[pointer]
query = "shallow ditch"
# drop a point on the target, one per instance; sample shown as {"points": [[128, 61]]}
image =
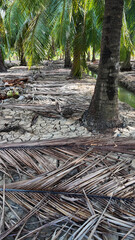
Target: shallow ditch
{"points": [[124, 95]]}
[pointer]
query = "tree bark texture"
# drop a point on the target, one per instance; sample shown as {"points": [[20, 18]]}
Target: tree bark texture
{"points": [[103, 109], [67, 55], [76, 67], [22, 59], [93, 55], [2, 66], [21, 54]]}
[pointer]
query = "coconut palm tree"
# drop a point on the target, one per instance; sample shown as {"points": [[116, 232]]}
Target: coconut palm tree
{"points": [[63, 30], [126, 46], [94, 29], [103, 110], [87, 32], [127, 36], [16, 23], [20, 15], [78, 37], [95, 20]]}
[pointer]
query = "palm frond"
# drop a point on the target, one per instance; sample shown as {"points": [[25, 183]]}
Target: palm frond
{"points": [[31, 7], [93, 30], [38, 34], [63, 28], [78, 191], [14, 22], [129, 11], [36, 37], [125, 36], [98, 7]]}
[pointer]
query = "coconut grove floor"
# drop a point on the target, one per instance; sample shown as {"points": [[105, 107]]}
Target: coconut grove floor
{"points": [[67, 182]]}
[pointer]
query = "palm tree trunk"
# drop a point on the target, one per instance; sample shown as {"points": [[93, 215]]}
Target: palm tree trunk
{"points": [[21, 54], [53, 47], [103, 109], [93, 54], [22, 59], [2, 66], [88, 56], [126, 65], [67, 63], [84, 64], [76, 67]]}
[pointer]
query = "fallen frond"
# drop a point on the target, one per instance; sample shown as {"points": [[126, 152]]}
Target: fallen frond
{"points": [[90, 194]]}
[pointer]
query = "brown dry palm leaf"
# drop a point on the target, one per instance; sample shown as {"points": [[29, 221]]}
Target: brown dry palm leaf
{"points": [[93, 189]]}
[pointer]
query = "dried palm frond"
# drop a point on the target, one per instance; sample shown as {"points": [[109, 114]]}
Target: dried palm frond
{"points": [[92, 191]]}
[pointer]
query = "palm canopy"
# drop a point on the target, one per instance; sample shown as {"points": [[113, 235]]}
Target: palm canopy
{"points": [[43, 18], [35, 21]]}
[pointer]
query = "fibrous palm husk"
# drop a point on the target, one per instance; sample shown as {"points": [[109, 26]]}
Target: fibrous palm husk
{"points": [[89, 196]]}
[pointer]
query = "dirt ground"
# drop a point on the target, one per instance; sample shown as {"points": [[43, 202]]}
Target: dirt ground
{"points": [[49, 104]]}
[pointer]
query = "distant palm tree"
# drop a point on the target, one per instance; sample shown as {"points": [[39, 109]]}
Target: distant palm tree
{"points": [[87, 31], [63, 30], [127, 36], [16, 23], [67, 63], [94, 22]]}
